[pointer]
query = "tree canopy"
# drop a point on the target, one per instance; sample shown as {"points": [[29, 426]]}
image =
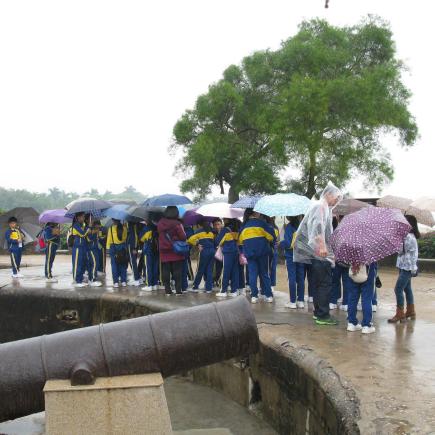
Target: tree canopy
{"points": [[320, 104]]}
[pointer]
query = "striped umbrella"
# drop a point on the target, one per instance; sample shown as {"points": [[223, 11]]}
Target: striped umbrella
{"points": [[94, 207], [247, 202]]}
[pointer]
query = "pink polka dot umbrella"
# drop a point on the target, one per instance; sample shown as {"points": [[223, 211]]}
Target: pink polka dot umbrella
{"points": [[369, 235]]}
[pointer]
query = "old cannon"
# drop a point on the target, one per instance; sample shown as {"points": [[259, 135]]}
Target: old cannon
{"points": [[169, 343]]}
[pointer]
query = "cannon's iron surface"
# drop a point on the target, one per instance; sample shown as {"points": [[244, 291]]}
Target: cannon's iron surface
{"points": [[169, 343]]}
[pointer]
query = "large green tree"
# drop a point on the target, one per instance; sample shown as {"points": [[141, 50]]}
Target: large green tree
{"points": [[321, 103]]}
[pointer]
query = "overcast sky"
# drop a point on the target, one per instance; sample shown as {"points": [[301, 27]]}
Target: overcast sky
{"points": [[90, 90]]}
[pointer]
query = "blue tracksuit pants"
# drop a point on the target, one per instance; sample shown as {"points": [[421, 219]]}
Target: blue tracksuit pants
{"points": [[92, 263], [102, 260], [15, 254], [205, 269], [273, 263], [365, 291], [50, 254], [340, 280], [119, 271], [230, 271], [132, 258], [296, 279], [78, 262], [259, 268], [151, 267]]}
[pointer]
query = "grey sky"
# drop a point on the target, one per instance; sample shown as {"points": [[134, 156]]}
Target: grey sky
{"points": [[90, 90]]}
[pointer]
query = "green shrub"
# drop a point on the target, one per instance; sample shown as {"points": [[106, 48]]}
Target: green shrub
{"points": [[426, 246]]}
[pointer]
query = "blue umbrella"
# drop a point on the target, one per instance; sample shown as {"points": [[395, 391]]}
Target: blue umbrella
{"points": [[283, 204], [118, 211], [166, 200], [247, 202]]}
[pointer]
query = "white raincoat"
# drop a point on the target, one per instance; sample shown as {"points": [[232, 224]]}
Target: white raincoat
{"points": [[315, 230]]}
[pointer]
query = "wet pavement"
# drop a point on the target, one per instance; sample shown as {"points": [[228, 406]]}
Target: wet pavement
{"points": [[392, 370]]}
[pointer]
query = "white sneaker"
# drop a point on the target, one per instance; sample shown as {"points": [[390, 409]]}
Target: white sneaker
{"points": [[221, 294], [15, 275], [343, 307], [233, 294], [20, 275], [82, 284], [51, 280], [193, 290], [368, 330], [115, 285], [352, 328], [332, 306], [291, 305], [123, 284], [135, 283], [359, 307], [374, 308], [269, 300], [310, 299], [155, 287], [254, 300], [209, 292], [147, 289], [300, 304], [95, 284]]}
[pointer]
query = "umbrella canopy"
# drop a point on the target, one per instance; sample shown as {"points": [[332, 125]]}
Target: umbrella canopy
{"points": [[283, 204], [94, 207], [348, 206], [247, 202], [27, 218], [83, 198], [369, 235], [220, 209], [57, 216], [397, 202], [166, 200], [191, 217], [118, 211], [141, 212], [424, 211]]}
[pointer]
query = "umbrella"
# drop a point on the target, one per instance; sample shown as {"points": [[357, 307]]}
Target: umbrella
{"points": [[167, 200], [75, 201], [191, 217], [424, 211], [141, 212], [57, 216], [391, 201], [27, 218], [369, 235], [348, 206], [220, 209], [283, 204], [247, 202], [118, 211], [88, 205], [181, 211]]}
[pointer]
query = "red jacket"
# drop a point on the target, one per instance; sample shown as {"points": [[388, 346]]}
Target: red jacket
{"points": [[174, 228]]}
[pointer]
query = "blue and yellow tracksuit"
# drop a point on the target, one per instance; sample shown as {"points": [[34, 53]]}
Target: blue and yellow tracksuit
{"points": [[273, 258], [150, 257], [14, 241], [242, 279], [93, 253], [227, 239], [256, 238], [187, 265], [133, 246], [206, 257], [114, 245], [52, 243], [79, 250], [102, 240], [295, 271]]}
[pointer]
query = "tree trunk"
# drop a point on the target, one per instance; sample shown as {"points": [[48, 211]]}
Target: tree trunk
{"points": [[233, 195], [311, 187]]}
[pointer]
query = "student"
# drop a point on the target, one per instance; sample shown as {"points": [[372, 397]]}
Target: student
{"points": [[102, 252], [117, 247], [14, 240], [256, 238], [187, 266], [407, 265], [92, 254], [273, 258], [171, 230], [52, 242], [133, 246], [79, 232], [218, 265], [295, 271], [364, 290], [204, 239], [227, 240], [148, 236]]}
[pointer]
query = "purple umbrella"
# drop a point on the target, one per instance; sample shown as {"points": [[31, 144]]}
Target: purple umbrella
{"points": [[191, 217], [369, 235], [56, 216]]}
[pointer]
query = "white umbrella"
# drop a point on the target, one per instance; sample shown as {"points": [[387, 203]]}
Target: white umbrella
{"points": [[391, 201], [220, 209], [424, 211]]}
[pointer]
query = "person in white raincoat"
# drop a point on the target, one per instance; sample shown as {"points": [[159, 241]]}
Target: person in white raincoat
{"points": [[312, 247]]}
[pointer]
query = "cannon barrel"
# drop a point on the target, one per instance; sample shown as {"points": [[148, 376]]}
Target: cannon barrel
{"points": [[170, 343]]}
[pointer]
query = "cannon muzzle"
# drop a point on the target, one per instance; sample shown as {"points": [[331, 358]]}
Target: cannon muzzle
{"points": [[169, 343]]}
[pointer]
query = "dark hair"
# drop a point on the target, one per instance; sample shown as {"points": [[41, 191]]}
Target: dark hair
{"points": [[334, 222], [217, 220], [247, 214], [205, 225], [293, 221], [413, 222], [12, 219], [171, 212]]}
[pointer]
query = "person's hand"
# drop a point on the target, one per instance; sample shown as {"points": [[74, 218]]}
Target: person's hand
{"points": [[323, 252], [200, 248]]}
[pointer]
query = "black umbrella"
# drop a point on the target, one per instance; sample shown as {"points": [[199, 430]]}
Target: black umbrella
{"points": [[88, 205], [28, 221]]}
